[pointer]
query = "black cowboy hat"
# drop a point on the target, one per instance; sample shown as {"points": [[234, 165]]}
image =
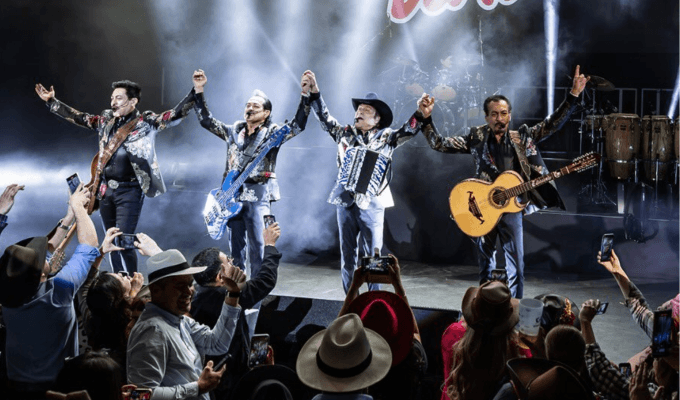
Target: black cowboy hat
{"points": [[380, 106], [21, 266]]}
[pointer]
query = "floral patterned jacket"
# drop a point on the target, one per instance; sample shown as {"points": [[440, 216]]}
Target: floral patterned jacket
{"points": [[383, 141], [524, 140], [261, 184], [140, 143]]}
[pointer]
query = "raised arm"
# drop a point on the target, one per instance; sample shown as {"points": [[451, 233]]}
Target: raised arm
{"points": [[420, 121], [557, 119], [260, 285], [171, 117], [205, 118], [7, 201], [328, 123], [68, 113]]}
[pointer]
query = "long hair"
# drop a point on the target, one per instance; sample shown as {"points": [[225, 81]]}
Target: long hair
{"points": [[479, 364], [110, 314]]}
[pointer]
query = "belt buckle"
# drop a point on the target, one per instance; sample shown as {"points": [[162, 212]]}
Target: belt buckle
{"points": [[113, 184]]}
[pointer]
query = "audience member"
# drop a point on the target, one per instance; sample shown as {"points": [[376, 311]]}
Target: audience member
{"points": [[270, 382], [7, 201], [96, 372], [540, 379], [605, 376], [477, 367], [210, 293], [557, 310], [390, 315], [640, 310], [343, 360], [38, 308], [166, 346]]}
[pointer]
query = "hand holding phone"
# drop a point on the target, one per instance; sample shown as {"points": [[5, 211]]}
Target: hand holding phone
{"points": [[606, 246], [259, 348], [625, 369], [268, 220], [73, 182]]}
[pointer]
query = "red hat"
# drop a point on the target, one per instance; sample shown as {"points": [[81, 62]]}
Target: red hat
{"points": [[390, 316]]}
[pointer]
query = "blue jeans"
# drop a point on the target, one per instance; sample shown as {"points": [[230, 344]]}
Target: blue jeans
{"points": [[358, 226], [509, 230], [249, 223], [121, 208]]}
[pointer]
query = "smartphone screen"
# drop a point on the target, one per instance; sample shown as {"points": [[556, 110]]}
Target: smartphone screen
{"points": [[258, 350], [268, 220], [126, 241], [606, 247], [602, 308], [661, 335], [625, 369], [73, 181]]}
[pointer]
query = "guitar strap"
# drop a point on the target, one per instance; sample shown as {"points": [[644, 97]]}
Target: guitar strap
{"points": [[107, 151]]}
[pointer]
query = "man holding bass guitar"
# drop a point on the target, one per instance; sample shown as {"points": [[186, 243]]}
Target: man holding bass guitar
{"points": [[252, 147], [126, 168], [496, 149]]}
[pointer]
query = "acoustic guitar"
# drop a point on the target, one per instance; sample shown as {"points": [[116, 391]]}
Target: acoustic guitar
{"points": [[477, 205]]}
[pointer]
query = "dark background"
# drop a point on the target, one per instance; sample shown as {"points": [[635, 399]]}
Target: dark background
{"points": [[81, 47]]}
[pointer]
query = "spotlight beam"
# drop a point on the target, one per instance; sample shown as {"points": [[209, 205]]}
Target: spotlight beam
{"points": [[551, 25]]}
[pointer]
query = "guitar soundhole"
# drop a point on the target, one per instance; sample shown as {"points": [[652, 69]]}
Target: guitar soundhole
{"points": [[499, 198]]}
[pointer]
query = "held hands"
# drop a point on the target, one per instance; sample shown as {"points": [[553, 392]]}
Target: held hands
{"points": [[308, 83], [200, 80], [44, 93], [107, 244], [580, 81], [271, 234], [210, 379], [425, 105], [146, 246], [7, 197]]}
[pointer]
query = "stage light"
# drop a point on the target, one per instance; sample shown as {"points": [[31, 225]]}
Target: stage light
{"points": [[674, 101], [551, 26]]}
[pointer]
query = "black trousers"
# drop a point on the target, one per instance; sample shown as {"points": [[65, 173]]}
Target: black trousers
{"points": [[121, 208]]}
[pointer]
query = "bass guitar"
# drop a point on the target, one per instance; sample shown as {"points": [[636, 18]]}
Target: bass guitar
{"points": [[477, 205], [222, 203]]}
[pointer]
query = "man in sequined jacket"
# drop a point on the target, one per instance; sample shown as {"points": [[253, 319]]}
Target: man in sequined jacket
{"points": [[132, 171], [495, 149], [244, 139], [361, 217]]}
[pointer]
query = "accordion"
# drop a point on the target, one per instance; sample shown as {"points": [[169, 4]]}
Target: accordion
{"points": [[363, 171]]}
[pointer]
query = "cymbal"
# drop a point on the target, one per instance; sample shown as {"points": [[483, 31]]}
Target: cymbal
{"points": [[600, 83], [404, 61]]}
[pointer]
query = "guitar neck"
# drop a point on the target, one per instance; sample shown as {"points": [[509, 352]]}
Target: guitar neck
{"points": [[532, 184], [273, 141]]}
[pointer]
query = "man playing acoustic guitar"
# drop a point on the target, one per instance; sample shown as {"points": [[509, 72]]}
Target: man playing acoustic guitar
{"points": [[495, 149], [126, 167], [245, 141]]}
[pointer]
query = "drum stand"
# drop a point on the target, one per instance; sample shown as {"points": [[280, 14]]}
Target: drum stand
{"points": [[596, 191]]}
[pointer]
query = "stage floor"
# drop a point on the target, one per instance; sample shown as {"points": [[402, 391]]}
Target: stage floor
{"points": [[443, 287]]}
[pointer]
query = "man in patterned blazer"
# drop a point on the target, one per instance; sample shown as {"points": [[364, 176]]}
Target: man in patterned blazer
{"points": [[244, 140], [360, 216], [495, 149], [128, 137]]}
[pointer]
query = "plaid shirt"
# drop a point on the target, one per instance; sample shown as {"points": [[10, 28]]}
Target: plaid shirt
{"points": [[639, 309], [606, 377]]}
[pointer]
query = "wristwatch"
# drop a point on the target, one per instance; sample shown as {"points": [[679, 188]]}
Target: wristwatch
{"points": [[234, 295]]}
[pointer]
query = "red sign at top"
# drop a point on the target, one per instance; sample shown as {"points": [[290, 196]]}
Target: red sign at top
{"points": [[403, 10]]}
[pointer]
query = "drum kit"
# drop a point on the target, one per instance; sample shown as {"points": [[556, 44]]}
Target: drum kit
{"points": [[640, 151], [456, 85]]}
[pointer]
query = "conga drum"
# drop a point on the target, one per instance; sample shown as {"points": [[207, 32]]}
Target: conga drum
{"points": [[622, 144], [657, 145]]}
